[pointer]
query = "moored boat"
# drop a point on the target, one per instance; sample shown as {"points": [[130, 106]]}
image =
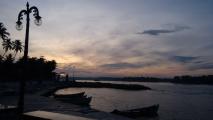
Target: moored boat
{"points": [[78, 98], [76, 95], [150, 111], [78, 101]]}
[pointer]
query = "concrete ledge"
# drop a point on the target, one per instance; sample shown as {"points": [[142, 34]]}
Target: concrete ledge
{"points": [[44, 115]]}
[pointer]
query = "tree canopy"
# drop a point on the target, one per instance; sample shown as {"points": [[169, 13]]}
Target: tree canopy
{"points": [[10, 69], [37, 69]]}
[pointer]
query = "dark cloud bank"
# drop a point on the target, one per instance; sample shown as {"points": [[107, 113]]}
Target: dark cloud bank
{"points": [[193, 63], [156, 32], [183, 59], [190, 62], [126, 65]]}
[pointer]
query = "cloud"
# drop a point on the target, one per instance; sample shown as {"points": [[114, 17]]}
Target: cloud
{"points": [[193, 63], [201, 66], [109, 51], [156, 32], [126, 65], [183, 59], [120, 65]]}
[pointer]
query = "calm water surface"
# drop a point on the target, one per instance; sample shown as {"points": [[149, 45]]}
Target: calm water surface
{"points": [[177, 102]]}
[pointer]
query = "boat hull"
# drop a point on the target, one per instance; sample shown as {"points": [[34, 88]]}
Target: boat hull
{"points": [[150, 111], [78, 98]]}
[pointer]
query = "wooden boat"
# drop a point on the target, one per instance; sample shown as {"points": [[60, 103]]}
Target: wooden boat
{"points": [[76, 95], [150, 111], [84, 101], [78, 98]]}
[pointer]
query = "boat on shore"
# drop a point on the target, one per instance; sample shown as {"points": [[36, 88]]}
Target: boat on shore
{"points": [[78, 98], [150, 111], [84, 101], [76, 95]]}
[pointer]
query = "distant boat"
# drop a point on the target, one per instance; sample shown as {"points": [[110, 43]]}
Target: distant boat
{"points": [[150, 111]]}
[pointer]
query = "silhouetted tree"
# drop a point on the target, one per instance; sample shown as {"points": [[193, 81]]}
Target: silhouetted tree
{"points": [[3, 32], [7, 45], [1, 59], [38, 68], [9, 59], [17, 46]]}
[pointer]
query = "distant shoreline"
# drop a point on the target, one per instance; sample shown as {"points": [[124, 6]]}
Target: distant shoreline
{"points": [[190, 80], [149, 82]]}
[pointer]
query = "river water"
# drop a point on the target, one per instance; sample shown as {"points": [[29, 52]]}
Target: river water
{"points": [[177, 101]]}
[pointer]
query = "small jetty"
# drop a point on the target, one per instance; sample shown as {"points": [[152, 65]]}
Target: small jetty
{"points": [[63, 85], [109, 85]]}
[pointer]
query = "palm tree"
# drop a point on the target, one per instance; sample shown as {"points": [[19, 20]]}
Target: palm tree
{"points": [[7, 45], [17, 46], [3, 32], [9, 59]]}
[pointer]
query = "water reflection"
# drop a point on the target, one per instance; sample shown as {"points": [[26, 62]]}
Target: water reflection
{"points": [[177, 102]]}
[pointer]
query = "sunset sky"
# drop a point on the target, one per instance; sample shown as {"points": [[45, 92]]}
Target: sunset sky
{"points": [[160, 38]]}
